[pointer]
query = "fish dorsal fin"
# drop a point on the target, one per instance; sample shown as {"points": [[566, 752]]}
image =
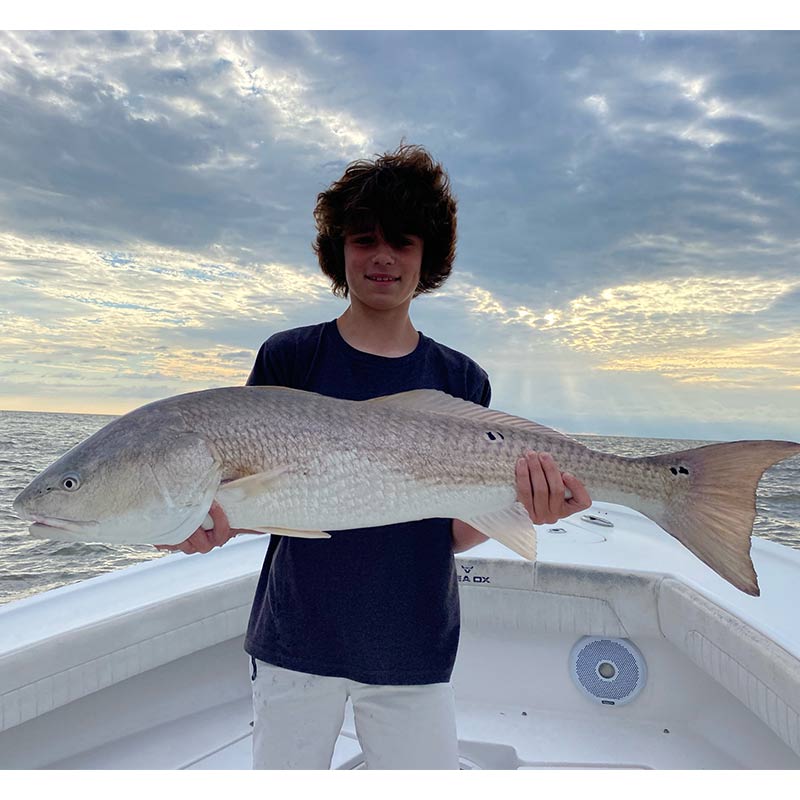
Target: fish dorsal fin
{"points": [[435, 402]]}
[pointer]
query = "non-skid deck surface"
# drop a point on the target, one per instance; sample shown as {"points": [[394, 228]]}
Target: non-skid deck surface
{"points": [[490, 737]]}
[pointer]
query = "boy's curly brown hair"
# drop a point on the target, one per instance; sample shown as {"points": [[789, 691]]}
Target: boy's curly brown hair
{"points": [[404, 192]]}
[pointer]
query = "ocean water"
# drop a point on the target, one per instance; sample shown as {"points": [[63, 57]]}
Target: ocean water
{"points": [[30, 441]]}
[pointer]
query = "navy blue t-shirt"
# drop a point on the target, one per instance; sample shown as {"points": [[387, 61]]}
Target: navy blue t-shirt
{"points": [[375, 605]]}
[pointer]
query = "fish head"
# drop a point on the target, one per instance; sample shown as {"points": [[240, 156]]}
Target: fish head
{"points": [[128, 483]]}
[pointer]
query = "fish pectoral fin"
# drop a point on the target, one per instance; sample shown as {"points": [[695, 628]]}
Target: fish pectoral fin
{"points": [[297, 534], [250, 485], [510, 526]]}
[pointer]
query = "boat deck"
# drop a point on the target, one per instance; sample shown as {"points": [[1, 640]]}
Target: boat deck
{"points": [[145, 668], [490, 738]]}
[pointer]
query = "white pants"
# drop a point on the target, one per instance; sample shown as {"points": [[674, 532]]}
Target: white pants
{"points": [[298, 718]]}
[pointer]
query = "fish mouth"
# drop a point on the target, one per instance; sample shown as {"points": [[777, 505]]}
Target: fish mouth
{"points": [[42, 524]]}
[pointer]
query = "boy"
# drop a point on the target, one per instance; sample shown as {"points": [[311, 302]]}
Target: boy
{"points": [[371, 614]]}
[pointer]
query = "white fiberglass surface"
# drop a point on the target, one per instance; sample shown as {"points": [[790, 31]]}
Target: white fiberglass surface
{"points": [[636, 543], [517, 704], [518, 690], [517, 708]]}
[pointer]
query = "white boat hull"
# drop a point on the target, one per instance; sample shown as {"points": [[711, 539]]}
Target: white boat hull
{"points": [[144, 668]]}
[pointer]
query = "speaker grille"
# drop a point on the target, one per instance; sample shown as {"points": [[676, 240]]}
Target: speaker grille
{"points": [[609, 671]]}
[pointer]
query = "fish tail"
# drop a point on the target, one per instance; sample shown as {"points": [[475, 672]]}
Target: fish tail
{"points": [[711, 502]]}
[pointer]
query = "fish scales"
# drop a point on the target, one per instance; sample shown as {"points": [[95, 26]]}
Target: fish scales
{"points": [[301, 464]]}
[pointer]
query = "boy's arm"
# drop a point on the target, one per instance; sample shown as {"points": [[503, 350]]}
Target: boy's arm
{"points": [[541, 487]]}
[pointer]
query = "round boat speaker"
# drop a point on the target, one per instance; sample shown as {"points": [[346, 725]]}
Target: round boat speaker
{"points": [[609, 671]]}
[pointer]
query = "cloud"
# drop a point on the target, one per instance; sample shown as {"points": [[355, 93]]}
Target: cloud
{"points": [[627, 202], [106, 314], [565, 145], [730, 332], [180, 139]]}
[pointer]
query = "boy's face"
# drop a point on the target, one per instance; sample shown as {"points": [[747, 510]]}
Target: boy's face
{"points": [[381, 275]]}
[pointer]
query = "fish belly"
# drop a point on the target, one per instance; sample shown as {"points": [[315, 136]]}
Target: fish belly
{"points": [[350, 490]]}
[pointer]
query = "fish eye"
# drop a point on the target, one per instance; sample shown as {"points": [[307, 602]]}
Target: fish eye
{"points": [[70, 482]]}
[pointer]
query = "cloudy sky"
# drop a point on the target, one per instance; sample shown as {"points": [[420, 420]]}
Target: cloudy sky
{"points": [[629, 248]]}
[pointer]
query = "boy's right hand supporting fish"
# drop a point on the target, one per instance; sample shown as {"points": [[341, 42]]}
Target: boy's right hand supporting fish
{"points": [[204, 541]]}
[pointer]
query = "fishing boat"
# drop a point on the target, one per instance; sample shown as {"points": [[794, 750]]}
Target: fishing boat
{"points": [[616, 649]]}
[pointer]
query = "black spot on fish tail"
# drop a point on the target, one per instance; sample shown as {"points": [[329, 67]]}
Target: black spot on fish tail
{"points": [[712, 508]]}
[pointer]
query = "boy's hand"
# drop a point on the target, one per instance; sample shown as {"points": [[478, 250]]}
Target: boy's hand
{"points": [[541, 487], [203, 541]]}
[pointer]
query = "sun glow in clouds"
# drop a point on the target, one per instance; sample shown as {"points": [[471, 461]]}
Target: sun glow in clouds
{"points": [[685, 329], [85, 316], [289, 94]]}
